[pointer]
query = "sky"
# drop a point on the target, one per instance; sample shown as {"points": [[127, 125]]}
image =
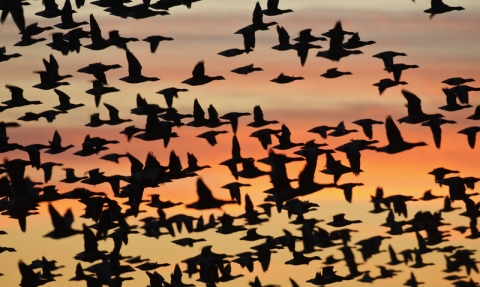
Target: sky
{"points": [[443, 47]]}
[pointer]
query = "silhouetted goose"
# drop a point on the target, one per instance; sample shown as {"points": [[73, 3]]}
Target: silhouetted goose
{"points": [[306, 36], [27, 40], [46, 81], [257, 20], [354, 42], [210, 136], [412, 282], [245, 70], [144, 108], [334, 73], [17, 98], [336, 50], [113, 115], [142, 11], [386, 83], [335, 168], [29, 116], [366, 277], [366, 125], [55, 145], [115, 39], [170, 93], [471, 133], [415, 113], [61, 224], [258, 120], [300, 259], [92, 68], [135, 70], [98, 42], [250, 170], [419, 260], [283, 39], [70, 176], [438, 7], [264, 136], [283, 79], [99, 89], [302, 49], [47, 168], [67, 19], [5, 57], [434, 124], [427, 195], [284, 139], [206, 199], [65, 104], [347, 189], [456, 81], [462, 92], [396, 143], [440, 173], [233, 118], [272, 9], [476, 114], [51, 9], [232, 52], [340, 130], [95, 121], [155, 41], [213, 119], [452, 104], [14, 8], [91, 252], [321, 130], [387, 57], [187, 241], [198, 76], [340, 221]]}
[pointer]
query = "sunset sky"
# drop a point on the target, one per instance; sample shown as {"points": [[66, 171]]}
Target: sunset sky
{"points": [[443, 47]]}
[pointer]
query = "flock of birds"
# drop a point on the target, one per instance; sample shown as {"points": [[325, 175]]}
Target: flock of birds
{"points": [[20, 197]]}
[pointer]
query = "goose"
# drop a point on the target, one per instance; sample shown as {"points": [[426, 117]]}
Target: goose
{"points": [[98, 42], [65, 104], [144, 108], [206, 199], [170, 93], [283, 39], [50, 11], [354, 42], [245, 70], [321, 130], [55, 145], [233, 118], [92, 68], [67, 19], [471, 133], [155, 41], [59, 44], [334, 73], [347, 189], [115, 39], [98, 90], [306, 36], [5, 57], [284, 79], [386, 83], [232, 52], [14, 8], [476, 114], [257, 20], [113, 115], [264, 136], [70, 176], [340, 130], [17, 99], [47, 82], [387, 57], [135, 70], [61, 224], [27, 40], [272, 9], [462, 92], [198, 76], [452, 104], [300, 259], [336, 50], [457, 81], [210, 136], [366, 125], [258, 119], [438, 7], [95, 121], [396, 143], [284, 139], [434, 124]]}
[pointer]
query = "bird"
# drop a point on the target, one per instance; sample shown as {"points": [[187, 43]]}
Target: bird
{"points": [[258, 119], [438, 7], [396, 143], [471, 133], [155, 41], [198, 76], [114, 119], [170, 93], [340, 130], [210, 136], [284, 79], [206, 199], [64, 100], [98, 42], [387, 57], [17, 98], [452, 104], [366, 125], [135, 70], [245, 70], [415, 113], [272, 9], [354, 42], [62, 225], [55, 145], [456, 81], [67, 19], [434, 124], [476, 114], [334, 73], [336, 50], [386, 83], [5, 57], [340, 221]]}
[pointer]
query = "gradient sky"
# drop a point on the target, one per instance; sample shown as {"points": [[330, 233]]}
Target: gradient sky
{"points": [[443, 47]]}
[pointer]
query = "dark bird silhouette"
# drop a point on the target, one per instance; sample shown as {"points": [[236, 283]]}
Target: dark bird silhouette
{"points": [[210, 136], [336, 50], [334, 73], [113, 115], [386, 83], [452, 104], [347, 190], [170, 93], [354, 42], [387, 58], [340, 221], [198, 76], [396, 143], [272, 9], [415, 113], [471, 133], [65, 104], [438, 7], [258, 119], [257, 20], [62, 225], [67, 19], [135, 70], [340, 130], [366, 125], [476, 114], [155, 41], [434, 124], [98, 42], [456, 81], [17, 99], [5, 57], [206, 199], [245, 70], [283, 79], [284, 139], [306, 36]]}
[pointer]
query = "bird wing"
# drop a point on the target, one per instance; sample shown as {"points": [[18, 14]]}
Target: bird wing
{"points": [[95, 32], [272, 4], [199, 70], [257, 18], [393, 133], [414, 105], [204, 193], [134, 66], [62, 97]]}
